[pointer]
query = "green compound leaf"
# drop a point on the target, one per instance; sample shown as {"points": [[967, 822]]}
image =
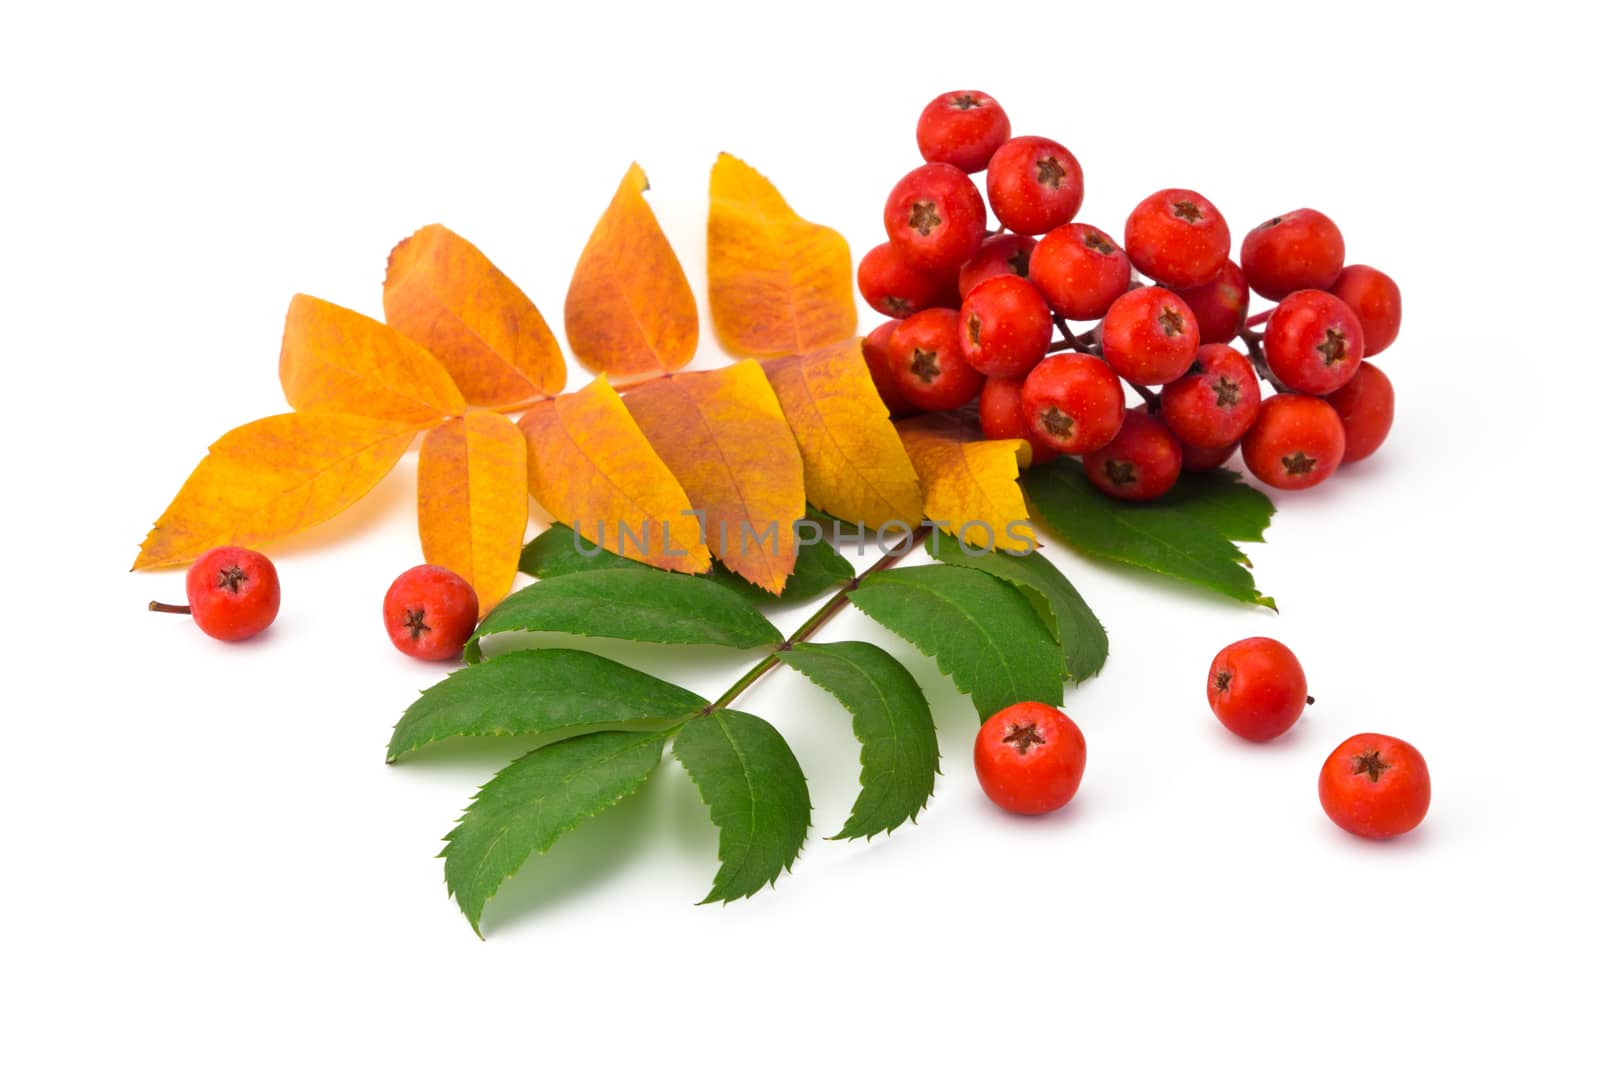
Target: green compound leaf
{"points": [[757, 794], [528, 806], [891, 719], [641, 604], [1221, 500], [984, 634], [540, 690], [1179, 540], [1082, 639]]}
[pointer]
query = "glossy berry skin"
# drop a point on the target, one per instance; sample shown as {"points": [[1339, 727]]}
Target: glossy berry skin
{"points": [[1074, 402], [430, 612], [233, 593], [1080, 270], [1257, 688], [1029, 758], [891, 286], [1296, 442], [1300, 250], [1004, 253], [875, 353], [1141, 463], [1366, 408], [1220, 306], [1215, 403], [1005, 327], [1149, 336], [1314, 342], [1035, 185], [1001, 416], [1375, 299], [1197, 460], [935, 218], [962, 128], [1177, 237], [926, 362], [1375, 786]]}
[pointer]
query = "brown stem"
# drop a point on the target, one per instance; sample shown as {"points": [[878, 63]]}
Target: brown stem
{"points": [[1151, 397], [170, 609], [1070, 339]]}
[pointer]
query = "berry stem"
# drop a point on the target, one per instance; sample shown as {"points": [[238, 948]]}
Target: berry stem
{"points": [[1070, 339], [1151, 397], [1259, 317], [170, 609]]}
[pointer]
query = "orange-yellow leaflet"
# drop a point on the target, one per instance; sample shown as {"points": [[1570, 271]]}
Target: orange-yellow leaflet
{"points": [[472, 501], [969, 485]]}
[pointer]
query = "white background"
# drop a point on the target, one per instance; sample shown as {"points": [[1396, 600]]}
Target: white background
{"points": [[207, 860]]}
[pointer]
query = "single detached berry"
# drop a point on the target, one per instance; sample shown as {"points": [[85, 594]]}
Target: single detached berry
{"points": [[1257, 688], [1220, 306], [1296, 442], [1005, 327], [1035, 185], [892, 286], [1300, 250], [233, 593], [875, 353], [1029, 758], [1141, 463], [430, 612], [1178, 238], [1074, 402], [1375, 299], [1314, 342], [1366, 408], [925, 359], [935, 218], [1080, 271], [1375, 786], [962, 128], [1149, 336], [1004, 253], [1216, 402], [1001, 416]]}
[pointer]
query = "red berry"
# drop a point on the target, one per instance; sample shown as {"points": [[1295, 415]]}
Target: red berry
{"points": [[1080, 271], [1257, 688], [1149, 336], [935, 217], [1001, 416], [1314, 342], [1300, 250], [1296, 442], [233, 593], [1005, 327], [925, 359], [1074, 402], [1220, 305], [1197, 460], [1375, 786], [430, 612], [1215, 403], [1029, 758], [962, 129], [1177, 237], [892, 286], [1141, 463], [1034, 185], [1375, 298], [875, 353], [1004, 253], [1366, 408]]}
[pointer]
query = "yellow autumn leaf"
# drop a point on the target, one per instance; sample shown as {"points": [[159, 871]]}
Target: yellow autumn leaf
{"points": [[472, 501], [969, 484]]}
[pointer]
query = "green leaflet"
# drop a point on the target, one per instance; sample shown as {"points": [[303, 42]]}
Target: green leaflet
{"points": [[757, 794], [984, 634], [890, 716], [533, 691], [1221, 500], [1082, 639], [526, 807]]}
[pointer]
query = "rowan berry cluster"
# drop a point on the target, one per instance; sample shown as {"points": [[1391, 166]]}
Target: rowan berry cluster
{"points": [[987, 316]]}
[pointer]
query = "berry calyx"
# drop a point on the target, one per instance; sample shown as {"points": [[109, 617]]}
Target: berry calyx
{"points": [[1029, 758], [1005, 327], [1221, 305], [892, 286], [1141, 463], [1375, 299], [1001, 416], [1257, 688], [1035, 185], [233, 593], [1149, 336], [430, 612], [1004, 253], [1366, 408], [1296, 442], [1074, 402], [962, 128], [1177, 237], [1080, 271], [1375, 786], [1216, 402], [926, 362], [875, 354], [1314, 342], [935, 217], [1301, 249]]}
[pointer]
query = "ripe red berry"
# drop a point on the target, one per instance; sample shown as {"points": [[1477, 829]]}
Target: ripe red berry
{"points": [[1149, 336], [1141, 463], [1001, 416], [925, 359], [1177, 237], [233, 593], [1074, 402], [1215, 403], [1220, 305], [1296, 442], [875, 353], [1197, 460], [430, 612], [1366, 408], [1005, 327], [1314, 342], [935, 217], [891, 286], [1080, 271], [962, 128], [1257, 688], [1375, 786], [1035, 185], [1029, 758], [1300, 250], [1004, 253], [1375, 298]]}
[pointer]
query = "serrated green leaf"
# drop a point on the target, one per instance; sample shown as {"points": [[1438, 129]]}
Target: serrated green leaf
{"points": [[984, 634], [641, 604], [539, 690], [527, 806], [1222, 500], [757, 795], [1079, 633], [891, 719], [1166, 540]]}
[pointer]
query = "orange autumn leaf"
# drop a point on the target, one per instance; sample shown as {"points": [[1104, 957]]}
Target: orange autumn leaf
{"points": [[630, 312], [273, 477], [779, 285], [472, 501], [969, 484], [855, 466], [591, 467], [334, 359], [445, 295], [723, 435]]}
